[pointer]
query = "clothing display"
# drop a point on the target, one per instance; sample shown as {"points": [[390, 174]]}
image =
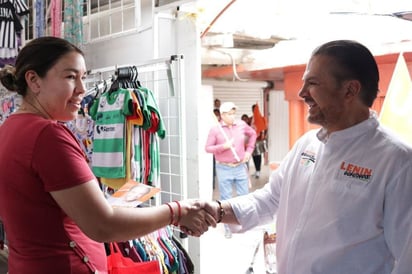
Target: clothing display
{"points": [[40, 18], [161, 246], [306, 243], [10, 27], [109, 142], [117, 263], [56, 17], [83, 129], [9, 103], [73, 24], [128, 124]]}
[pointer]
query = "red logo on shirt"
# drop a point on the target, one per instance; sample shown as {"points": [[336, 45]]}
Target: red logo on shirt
{"points": [[355, 171]]}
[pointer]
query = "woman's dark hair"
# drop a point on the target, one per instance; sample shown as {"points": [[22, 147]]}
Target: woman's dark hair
{"points": [[246, 118], [38, 55], [353, 61]]}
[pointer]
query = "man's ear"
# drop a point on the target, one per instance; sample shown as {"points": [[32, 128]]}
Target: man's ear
{"points": [[32, 80], [353, 88]]}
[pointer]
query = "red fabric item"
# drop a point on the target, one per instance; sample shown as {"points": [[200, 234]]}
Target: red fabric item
{"points": [[118, 264], [154, 122], [39, 156], [259, 121], [146, 156]]}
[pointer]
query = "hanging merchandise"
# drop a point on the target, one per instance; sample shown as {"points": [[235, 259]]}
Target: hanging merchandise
{"points": [[158, 251], [40, 21], [9, 103], [83, 128], [154, 87], [109, 147], [119, 264], [138, 115], [10, 29], [73, 25], [146, 146], [127, 126], [56, 17]]}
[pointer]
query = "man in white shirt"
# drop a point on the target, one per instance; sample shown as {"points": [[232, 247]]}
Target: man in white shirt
{"points": [[343, 194]]}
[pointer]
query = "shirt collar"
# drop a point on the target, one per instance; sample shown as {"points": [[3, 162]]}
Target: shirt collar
{"points": [[226, 125], [351, 132]]}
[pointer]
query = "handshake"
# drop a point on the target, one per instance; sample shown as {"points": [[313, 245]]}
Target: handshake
{"points": [[196, 216]]}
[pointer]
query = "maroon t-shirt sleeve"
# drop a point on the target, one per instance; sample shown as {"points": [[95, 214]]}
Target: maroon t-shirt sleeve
{"points": [[59, 160]]}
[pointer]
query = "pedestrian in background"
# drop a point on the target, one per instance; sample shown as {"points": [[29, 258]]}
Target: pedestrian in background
{"points": [[217, 104], [247, 120], [259, 123], [226, 140], [216, 111]]}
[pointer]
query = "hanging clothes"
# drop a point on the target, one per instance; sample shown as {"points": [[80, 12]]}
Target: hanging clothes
{"points": [[116, 183], [146, 145], [9, 103], [109, 148], [161, 246], [40, 21], [154, 122], [83, 129], [10, 27], [127, 132], [73, 25], [56, 17]]}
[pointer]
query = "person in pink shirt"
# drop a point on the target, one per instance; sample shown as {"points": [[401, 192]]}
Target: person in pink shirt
{"points": [[231, 142]]}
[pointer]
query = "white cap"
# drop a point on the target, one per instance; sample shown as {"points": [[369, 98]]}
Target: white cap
{"points": [[227, 106]]}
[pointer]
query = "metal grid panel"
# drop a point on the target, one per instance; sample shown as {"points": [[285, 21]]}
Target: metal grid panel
{"points": [[165, 83], [101, 18], [163, 78], [107, 17]]}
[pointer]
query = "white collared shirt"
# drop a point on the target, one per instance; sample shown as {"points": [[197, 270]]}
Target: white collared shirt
{"points": [[343, 206]]}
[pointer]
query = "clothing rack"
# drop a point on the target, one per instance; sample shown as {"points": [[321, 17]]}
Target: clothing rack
{"points": [[126, 71], [148, 66], [164, 76], [100, 86]]}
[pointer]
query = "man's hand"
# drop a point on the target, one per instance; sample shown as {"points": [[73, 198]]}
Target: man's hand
{"points": [[247, 157], [228, 144], [195, 219]]}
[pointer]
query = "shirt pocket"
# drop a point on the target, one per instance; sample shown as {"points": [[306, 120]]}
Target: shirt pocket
{"points": [[350, 184]]}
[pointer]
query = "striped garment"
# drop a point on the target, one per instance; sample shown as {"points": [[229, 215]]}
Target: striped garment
{"points": [[109, 145], [10, 25]]}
